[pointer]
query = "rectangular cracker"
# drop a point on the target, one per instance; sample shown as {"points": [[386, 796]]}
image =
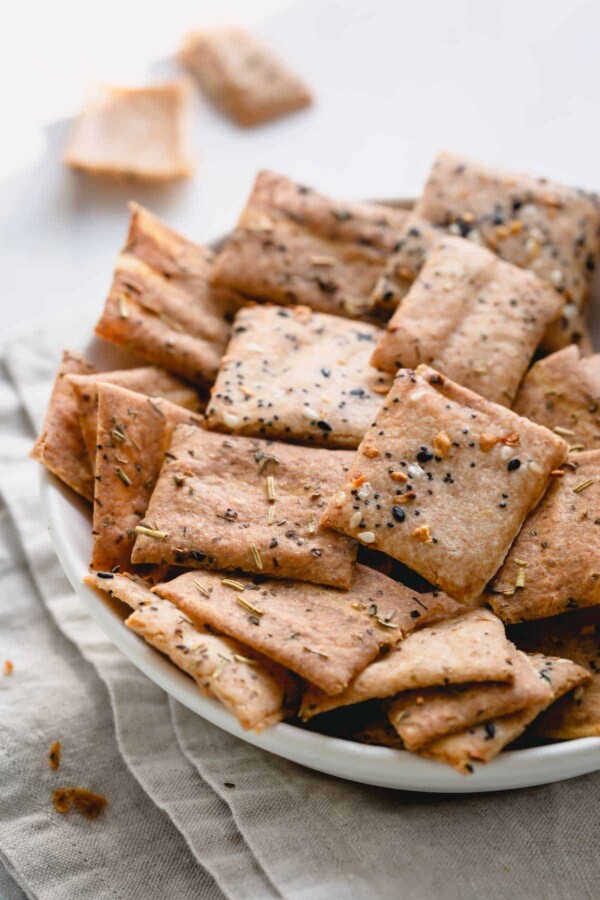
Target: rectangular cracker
{"points": [[421, 717], [134, 433], [298, 376], [527, 221], [472, 317], [225, 502], [562, 392], [554, 564], [256, 690], [484, 742], [134, 132], [416, 238], [60, 446], [294, 246], [442, 474], [161, 304], [241, 76], [469, 647], [323, 634]]}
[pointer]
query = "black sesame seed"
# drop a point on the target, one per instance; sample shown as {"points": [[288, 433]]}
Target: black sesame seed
{"points": [[424, 455], [324, 426], [398, 513], [513, 465]]}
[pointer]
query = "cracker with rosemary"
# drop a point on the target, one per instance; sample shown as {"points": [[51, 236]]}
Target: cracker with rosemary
{"points": [[243, 77], [554, 564], [294, 246], [472, 317], [299, 376], [441, 474], [325, 635], [60, 446], [562, 392], [134, 433], [484, 742], [469, 647], [226, 502], [416, 238], [421, 717], [161, 305], [256, 690], [527, 221]]}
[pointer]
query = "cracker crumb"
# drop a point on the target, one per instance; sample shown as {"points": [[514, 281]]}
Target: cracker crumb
{"points": [[422, 534], [8, 667], [54, 755], [86, 802], [441, 444], [370, 452]]}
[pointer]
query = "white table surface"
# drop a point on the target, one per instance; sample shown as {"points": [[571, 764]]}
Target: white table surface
{"points": [[513, 83]]}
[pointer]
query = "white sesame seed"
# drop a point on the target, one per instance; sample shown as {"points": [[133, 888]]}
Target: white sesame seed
{"points": [[230, 420], [309, 413], [506, 452], [367, 537], [354, 520], [415, 470], [364, 491]]}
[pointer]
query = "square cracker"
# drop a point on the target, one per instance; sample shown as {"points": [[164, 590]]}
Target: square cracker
{"points": [[161, 304], [60, 446], [298, 376], [554, 564], [323, 634], [441, 474], [134, 132], [294, 246], [530, 222], [562, 392], [471, 646], [258, 691], [473, 317], [416, 237], [234, 502], [134, 433], [148, 380], [421, 717], [241, 76], [484, 742]]}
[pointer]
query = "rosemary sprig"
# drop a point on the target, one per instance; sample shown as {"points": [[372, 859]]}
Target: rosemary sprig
{"points": [[123, 476]]}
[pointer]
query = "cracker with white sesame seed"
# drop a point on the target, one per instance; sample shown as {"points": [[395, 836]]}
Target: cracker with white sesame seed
{"points": [[294, 246], [484, 742], [226, 502], [134, 432], [562, 392], [258, 691], [472, 317], [471, 646], [554, 564], [325, 635], [454, 473], [416, 238], [299, 376], [161, 304], [529, 222]]}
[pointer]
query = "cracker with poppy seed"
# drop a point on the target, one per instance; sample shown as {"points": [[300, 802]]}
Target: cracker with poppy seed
{"points": [[562, 392], [256, 690], [484, 742], [529, 222], [468, 647], [134, 433], [293, 246], [451, 505], [60, 446], [421, 717], [296, 375], [161, 304], [472, 317], [325, 635], [225, 502], [416, 238], [553, 566]]}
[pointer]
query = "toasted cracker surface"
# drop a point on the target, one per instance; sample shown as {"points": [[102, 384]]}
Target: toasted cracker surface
{"points": [[416, 238]]}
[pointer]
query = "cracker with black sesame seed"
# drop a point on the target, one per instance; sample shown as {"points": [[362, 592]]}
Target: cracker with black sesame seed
{"points": [[472, 317], [161, 305], [455, 474], [296, 375], [60, 446], [471, 646], [530, 222], [294, 246], [227, 502], [325, 635], [484, 742], [134, 432], [416, 238], [258, 691], [553, 565], [562, 392]]}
